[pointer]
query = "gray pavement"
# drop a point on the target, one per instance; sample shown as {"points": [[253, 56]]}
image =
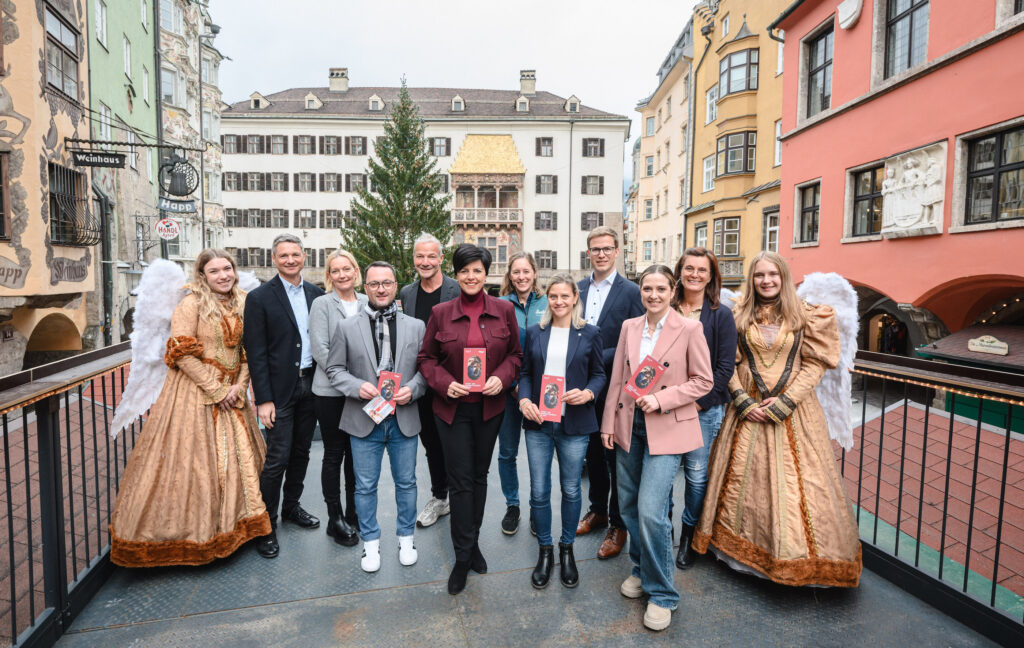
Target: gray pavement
{"points": [[315, 594]]}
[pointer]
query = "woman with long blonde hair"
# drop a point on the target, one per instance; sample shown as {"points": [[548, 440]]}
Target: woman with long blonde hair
{"points": [[561, 345], [775, 504], [190, 492]]}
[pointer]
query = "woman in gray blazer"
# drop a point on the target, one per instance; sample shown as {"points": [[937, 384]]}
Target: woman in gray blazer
{"points": [[344, 277]]}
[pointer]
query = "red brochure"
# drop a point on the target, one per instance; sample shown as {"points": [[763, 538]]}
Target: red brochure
{"points": [[388, 385], [647, 374], [474, 374], [552, 388]]}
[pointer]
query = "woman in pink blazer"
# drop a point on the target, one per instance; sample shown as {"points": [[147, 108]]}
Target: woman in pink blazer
{"points": [[653, 433]]}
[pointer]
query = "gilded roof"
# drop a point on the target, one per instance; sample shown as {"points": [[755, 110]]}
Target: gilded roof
{"points": [[487, 154]]}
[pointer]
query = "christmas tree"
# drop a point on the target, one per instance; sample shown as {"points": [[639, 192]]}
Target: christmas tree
{"points": [[406, 198]]}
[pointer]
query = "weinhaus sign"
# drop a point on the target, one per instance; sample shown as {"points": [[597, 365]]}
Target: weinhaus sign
{"points": [[98, 159]]}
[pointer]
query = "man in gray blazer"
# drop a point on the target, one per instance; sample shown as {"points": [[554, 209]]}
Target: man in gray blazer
{"points": [[380, 339], [418, 298]]}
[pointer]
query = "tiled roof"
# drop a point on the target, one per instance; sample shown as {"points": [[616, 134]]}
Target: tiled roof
{"points": [[487, 154], [954, 347], [432, 103], [758, 189], [697, 208]]}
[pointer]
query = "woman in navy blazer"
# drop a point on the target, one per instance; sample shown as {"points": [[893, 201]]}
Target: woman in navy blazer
{"points": [[697, 296], [564, 345]]}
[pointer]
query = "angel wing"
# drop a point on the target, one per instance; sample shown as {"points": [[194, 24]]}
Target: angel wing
{"points": [[159, 292], [834, 389], [728, 298], [247, 281]]}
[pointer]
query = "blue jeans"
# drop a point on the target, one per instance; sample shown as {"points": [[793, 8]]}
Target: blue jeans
{"points": [[367, 453], [508, 450], [645, 482], [695, 464], [572, 449]]}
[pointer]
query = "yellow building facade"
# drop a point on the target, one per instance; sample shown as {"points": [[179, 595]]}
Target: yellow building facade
{"points": [[736, 161], [48, 228], [660, 174]]}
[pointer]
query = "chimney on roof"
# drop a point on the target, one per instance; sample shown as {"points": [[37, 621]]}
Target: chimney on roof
{"points": [[528, 82], [338, 78]]}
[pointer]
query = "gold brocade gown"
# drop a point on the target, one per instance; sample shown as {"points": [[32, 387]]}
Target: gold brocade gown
{"points": [[775, 501], [190, 491]]}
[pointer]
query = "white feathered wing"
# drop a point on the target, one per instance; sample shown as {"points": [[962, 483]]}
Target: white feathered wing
{"points": [[834, 389], [159, 292]]}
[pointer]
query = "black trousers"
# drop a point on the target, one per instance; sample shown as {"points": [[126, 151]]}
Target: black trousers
{"points": [[468, 447], [288, 449], [604, 483], [432, 445], [337, 452]]}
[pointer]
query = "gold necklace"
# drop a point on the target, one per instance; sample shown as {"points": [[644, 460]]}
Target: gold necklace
{"points": [[778, 352]]}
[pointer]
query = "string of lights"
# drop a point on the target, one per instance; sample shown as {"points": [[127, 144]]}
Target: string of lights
{"points": [[953, 390]]}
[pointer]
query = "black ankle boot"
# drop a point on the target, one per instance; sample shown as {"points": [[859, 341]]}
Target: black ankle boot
{"points": [[339, 529], [457, 579], [686, 556], [567, 561], [545, 562], [477, 562]]}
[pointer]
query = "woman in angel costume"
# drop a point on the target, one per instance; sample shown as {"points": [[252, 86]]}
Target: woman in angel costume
{"points": [[775, 505], [190, 491]]}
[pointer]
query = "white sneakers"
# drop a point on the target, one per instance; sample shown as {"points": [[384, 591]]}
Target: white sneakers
{"points": [[631, 587], [406, 551], [371, 556], [407, 554], [657, 617], [434, 509]]}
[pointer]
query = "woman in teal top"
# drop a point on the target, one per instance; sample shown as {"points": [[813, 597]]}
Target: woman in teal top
{"points": [[519, 287]]}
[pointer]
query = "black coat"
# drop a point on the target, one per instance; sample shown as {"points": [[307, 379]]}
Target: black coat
{"points": [[273, 345], [623, 303], [720, 332]]}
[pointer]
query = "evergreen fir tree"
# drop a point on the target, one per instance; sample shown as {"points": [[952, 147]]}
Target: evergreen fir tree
{"points": [[406, 199]]}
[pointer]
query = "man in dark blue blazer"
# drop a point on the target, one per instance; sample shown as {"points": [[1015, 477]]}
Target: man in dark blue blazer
{"points": [[277, 347], [608, 300]]}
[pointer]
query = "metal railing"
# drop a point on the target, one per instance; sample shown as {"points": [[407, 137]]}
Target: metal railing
{"points": [[938, 501], [60, 475]]}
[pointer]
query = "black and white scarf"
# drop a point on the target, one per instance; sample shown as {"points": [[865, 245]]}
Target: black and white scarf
{"points": [[380, 321]]}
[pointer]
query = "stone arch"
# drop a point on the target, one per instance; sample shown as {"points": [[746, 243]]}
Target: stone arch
{"points": [[959, 302], [922, 325], [53, 338]]}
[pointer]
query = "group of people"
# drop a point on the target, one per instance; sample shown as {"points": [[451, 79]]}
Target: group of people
{"points": [[727, 395]]}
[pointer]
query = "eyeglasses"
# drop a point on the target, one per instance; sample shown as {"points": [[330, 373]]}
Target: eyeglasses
{"points": [[387, 284], [606, 251], [696, 271]]}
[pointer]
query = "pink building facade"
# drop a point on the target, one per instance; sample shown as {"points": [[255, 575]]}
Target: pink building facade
{"points": [[903, 158]]}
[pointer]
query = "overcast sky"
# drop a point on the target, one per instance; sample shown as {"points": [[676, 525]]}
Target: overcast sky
{"points": [[606, 52]]}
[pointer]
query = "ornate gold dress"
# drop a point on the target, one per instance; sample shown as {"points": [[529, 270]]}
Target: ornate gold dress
{"points": [[775, 502], [190, 492]]}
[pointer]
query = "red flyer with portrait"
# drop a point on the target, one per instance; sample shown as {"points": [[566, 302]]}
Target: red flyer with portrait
{"points": [[388, 385], [474, 362], [642, 382], [552, 388]]}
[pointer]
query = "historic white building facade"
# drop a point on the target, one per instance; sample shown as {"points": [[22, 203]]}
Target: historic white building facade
{"points": [[524, 169]]}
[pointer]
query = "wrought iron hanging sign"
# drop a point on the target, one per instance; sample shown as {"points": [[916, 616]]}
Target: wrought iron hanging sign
{"points": [[98, 159], [178, 177]]}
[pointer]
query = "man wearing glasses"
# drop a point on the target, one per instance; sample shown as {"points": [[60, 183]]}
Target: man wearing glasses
{"points": [[608, 300], [380, 338], [418, 299]]}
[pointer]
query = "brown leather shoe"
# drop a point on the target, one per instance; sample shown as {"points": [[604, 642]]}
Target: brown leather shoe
{"points": [[590, 522], [614, 540]]}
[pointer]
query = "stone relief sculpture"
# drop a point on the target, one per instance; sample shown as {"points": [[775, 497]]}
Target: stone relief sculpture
{"points": [[912, 199]]}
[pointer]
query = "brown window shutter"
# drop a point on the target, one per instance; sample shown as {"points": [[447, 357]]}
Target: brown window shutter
{"points": [[348, 176], [583, 185], [242, 143], [222, 142], [554, 260], [600, 185], [266, 182], [295, 143], [538, 185], [321, 258], [554, 184], [296, 180], [602, 146], [347, 145], [320, 144], [321, 219], [285, 138], [537, 147], [536, 220], [321, 182], [285, 181], [223, 177], [554, 220], [265, 217], [600, 219], [447, 146], [585, 141]]}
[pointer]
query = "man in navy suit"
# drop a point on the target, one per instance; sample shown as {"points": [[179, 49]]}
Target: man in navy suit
{"points": [[608, 300], [276, 339]]}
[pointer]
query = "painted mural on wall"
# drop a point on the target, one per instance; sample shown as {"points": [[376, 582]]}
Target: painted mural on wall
{"points": [[14, 126]]}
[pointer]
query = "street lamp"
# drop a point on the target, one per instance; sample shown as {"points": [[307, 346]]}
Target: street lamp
{"points": [[214, 30]]}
